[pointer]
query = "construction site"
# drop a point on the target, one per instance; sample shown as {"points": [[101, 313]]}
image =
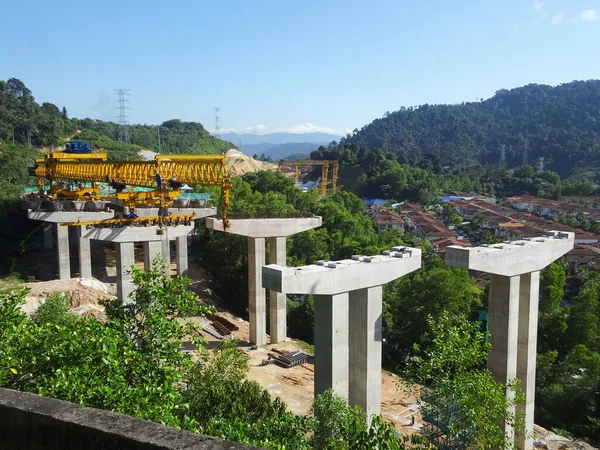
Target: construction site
{"points": [[100, 218]]}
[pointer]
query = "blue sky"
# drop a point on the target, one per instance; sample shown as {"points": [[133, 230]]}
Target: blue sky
{"points": [[291, 65]]}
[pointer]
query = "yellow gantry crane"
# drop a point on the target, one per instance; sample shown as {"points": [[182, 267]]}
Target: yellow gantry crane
{"points": [[325, 165], [166, 174]]}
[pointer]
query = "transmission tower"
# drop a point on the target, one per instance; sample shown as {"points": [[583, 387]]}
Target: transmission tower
{"points": [[525, 148], [502, 154], [217, 118], [540, 164], [122, 99]]}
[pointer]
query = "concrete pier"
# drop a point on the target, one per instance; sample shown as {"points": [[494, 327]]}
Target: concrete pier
{"points": [[64, 257], [348, 318], [257, 230], [151, 250], [182, 255], [49, 235], [366, 324], [257, 304], [63, 212], [85, 255], [331, 344], [513, 309], [277, 300], [125, 259]]}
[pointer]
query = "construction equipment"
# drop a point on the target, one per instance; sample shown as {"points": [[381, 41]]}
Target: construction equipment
{"points": [[164, 176], [325, 165], [79, 146]]}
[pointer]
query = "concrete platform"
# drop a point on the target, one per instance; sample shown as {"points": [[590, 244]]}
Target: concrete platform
{"points": [[68, 217], [199, 212], [262, 228], [333, 277], [136, 234], [512, 258]]}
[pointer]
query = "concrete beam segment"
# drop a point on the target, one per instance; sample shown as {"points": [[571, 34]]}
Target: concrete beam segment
{"points": [[125, 259], [503, 317], [136, 234], [65, 217], [257, 301], [526, 351], [366, 324], [328, 278], [85, 255], [331, 344], [265, 227], [151, 250], [512, 258], [49, 235], [277, 300], [199, 212], [182, 255], [64, 262]]}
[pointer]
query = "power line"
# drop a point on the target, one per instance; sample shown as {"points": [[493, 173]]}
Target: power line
{"points": [[502, 153], [122, 99], [540, 164], [217, 118]]}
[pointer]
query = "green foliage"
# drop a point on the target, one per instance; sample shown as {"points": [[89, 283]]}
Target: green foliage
{"points": [[560, 124], [55, 311], [463, 395], [23, 121], [340, 427], [454, 345]]}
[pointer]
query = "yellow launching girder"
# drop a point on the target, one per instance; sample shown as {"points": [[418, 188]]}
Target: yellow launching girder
{"points": [[325, 165], [165, 173]]}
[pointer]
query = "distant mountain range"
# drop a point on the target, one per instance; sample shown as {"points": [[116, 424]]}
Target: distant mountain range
{"points": [[279, 145], [279, 138]]}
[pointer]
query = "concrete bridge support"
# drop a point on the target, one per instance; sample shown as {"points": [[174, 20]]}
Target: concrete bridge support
{"points": [[85, 255], [513, 309], [182, 255], [348, 318], [151, 250], [257, 230]]}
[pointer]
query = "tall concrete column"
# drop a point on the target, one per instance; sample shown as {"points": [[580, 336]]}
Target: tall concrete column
{"points": [[182, 255], [331, 343], [64, 262], [365, 349], [85, 255], [165, 253], [503, 319], [526, 353], [277, 300], [49, 235], [125, 259], [151, 249], [257, 301]]}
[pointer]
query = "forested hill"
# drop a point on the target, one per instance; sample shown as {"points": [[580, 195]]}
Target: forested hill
{"points": [[561, 124], [23, 121]]}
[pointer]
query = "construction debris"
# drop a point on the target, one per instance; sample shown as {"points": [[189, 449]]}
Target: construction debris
{"points": [[286, 359]]}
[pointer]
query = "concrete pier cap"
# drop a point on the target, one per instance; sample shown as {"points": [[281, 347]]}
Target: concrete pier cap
{"points": [[199, 213], [512, 258], [257, 228], [334, 277], [136, 234]]}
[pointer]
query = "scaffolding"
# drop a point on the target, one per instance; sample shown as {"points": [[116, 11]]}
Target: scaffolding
{"points": [[442, 419], [328, 185]]}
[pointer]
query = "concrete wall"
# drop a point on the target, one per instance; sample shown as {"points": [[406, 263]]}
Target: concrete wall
{"points": [[31, 422]]}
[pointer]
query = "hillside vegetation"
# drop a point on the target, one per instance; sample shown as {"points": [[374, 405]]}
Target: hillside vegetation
{"points": [[561, 124], [24, 121]]}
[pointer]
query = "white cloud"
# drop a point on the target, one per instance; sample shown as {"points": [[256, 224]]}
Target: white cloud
{"points": [[303, 128], [589, 15], [537, 4], [558, 18]]}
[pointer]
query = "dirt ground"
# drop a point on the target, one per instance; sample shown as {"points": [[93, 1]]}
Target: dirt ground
{"points": [[295, 386]]}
